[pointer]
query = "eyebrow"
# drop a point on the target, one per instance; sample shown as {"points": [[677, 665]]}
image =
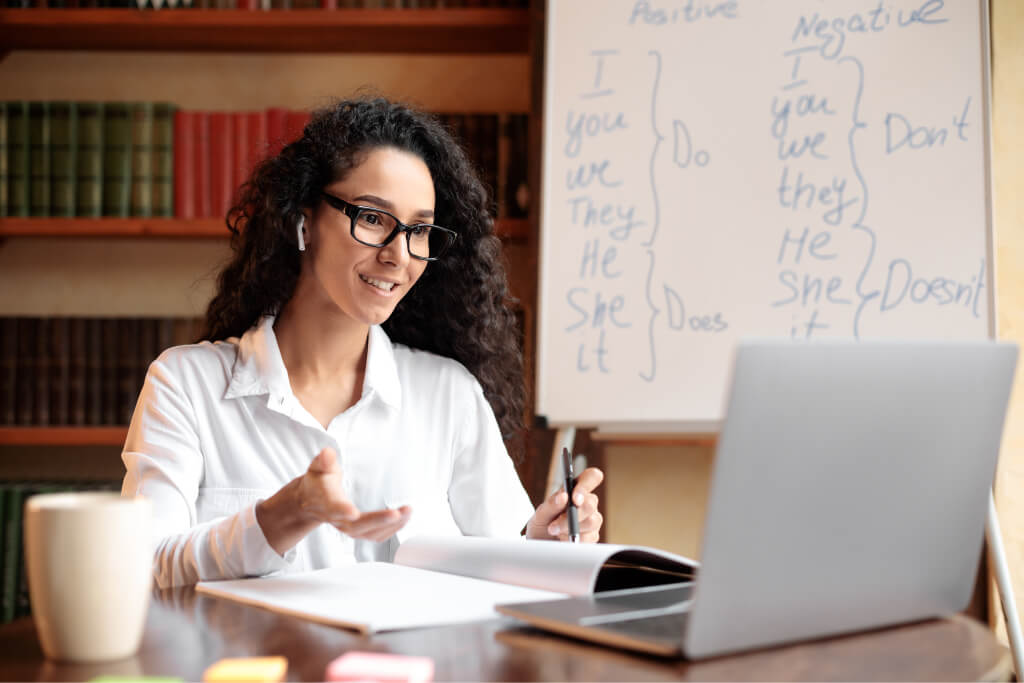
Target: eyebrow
{"points": [[374, 199]]}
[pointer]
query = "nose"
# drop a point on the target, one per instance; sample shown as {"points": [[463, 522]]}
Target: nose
{"points": [[395, 252]]}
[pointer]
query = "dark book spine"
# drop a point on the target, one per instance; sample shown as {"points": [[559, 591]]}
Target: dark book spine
{"points": [[77, 371], [117, 159], [163, 159], [141, 201], [25, 373], [146, 352], [8, 369], [63, 157], [39, 158], [518, 192], [127, 368], [18, 174], [111, 370], [89, 190], [60, 366], [184, 165], [4, 203], [94, 376], [12, 551], [41, 393]]}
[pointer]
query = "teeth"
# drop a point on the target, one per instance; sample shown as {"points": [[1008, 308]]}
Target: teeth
{"points": [[379, 284]]}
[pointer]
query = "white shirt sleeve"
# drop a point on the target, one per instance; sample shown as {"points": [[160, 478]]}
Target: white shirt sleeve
{"points": [[163, 459], [485, 494]]}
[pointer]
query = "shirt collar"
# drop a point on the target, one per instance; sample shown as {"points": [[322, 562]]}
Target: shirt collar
{"points": [[259, 368]]}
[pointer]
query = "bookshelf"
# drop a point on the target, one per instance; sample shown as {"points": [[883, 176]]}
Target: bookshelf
{"points": [[378, 31], [63, 436], [117, 51]]}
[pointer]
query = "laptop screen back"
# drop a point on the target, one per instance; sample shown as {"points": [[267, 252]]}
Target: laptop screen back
{"points": [[850, 488]]}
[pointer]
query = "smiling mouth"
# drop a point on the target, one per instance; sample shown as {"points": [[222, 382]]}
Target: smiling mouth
{"points": [[379, 284]]}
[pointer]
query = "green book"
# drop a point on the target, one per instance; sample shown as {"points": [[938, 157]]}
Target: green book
{"points": [[3, 159], [163, 159], [117, 158], [17, 158], [11, 551], [63, 157], [39, 158], [89, 195], [142, 159]]}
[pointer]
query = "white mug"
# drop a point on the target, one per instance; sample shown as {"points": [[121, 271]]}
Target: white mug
{"points": [[89, 559]]}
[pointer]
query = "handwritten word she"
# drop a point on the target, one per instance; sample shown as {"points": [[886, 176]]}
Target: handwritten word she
{"points": [[682, 12]]}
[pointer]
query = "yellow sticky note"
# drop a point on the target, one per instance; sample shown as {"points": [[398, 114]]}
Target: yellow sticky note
{"points": [[256, 669]]}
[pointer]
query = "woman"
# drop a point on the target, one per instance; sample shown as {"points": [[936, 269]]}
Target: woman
{"points": [[363, 372]]}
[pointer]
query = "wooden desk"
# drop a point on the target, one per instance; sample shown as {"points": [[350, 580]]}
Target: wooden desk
{"points": [[187, 632]]}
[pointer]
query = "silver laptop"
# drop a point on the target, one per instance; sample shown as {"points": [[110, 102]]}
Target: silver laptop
{"points": [[850, 491]]}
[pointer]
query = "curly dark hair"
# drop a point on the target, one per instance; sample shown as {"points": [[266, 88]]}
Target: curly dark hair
{"points": [[460, 308]]}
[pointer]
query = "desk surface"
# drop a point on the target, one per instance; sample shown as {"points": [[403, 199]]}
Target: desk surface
{"points": [[186, 632]]}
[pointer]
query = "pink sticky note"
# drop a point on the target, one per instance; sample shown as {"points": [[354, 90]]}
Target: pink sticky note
{"points": [[377, 666]]}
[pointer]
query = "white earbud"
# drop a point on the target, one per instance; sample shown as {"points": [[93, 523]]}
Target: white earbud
{"points": [[298, 231]]}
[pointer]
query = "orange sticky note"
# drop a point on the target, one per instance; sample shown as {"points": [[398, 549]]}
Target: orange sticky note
{"points": [[378, 666], [256, 669]]}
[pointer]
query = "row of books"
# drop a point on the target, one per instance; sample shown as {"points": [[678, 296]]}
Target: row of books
{"points": [[14, 597], [62, 371], [270, 4], [68, 158]]}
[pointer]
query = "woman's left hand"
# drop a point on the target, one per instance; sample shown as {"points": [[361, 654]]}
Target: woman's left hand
{"points": [[549, 520]]}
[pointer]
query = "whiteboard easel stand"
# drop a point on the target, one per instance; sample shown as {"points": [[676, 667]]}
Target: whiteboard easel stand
{"points": [[997, 557], [565, 436]]}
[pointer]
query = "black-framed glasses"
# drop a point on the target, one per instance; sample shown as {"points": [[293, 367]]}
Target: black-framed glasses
{"points": [[377, 228]]}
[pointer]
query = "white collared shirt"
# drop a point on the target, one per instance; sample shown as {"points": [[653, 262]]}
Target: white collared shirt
{"points": [[217, 429]]}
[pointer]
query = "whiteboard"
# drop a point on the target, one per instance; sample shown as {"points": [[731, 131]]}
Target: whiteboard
{"points": [[717, 169]]}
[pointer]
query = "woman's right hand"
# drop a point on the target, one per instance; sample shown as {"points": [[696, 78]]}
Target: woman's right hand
{"points": [[318, 497]]}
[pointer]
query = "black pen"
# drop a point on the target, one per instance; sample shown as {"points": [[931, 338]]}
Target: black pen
{"points": [[570, 509]]}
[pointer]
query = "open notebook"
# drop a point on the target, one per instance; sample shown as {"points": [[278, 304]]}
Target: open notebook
{"points": [[453, 579]]}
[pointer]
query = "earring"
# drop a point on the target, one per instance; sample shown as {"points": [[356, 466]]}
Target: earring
{"points": [[298, 232]]}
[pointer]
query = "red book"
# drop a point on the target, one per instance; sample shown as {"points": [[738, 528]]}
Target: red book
{"points": [[277, 130], [222, 162], [258, 139], [296, 123], [240, 160], [328, 4], [201, 176], [184, 165], [248, 4]]}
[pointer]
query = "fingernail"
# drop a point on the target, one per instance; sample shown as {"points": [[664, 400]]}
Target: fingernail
{"points": [[578, 499], [553, 529]]}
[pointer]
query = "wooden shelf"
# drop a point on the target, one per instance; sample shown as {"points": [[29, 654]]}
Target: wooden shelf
{"points": [[203, 228], [376, 31], [63, 436]]}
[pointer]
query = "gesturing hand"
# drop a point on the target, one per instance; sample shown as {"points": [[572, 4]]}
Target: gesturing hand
{"points": [[549, 519], [321, 496], [317, 497]]}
